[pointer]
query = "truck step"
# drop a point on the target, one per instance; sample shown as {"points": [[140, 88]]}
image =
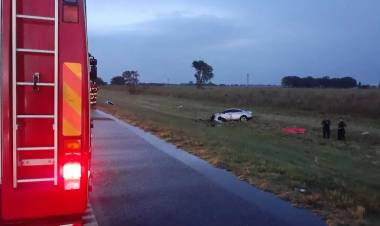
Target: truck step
{"points": [[35, 51], [35, 116], [32, 84], [35, 180], [36, 149], [35, 17], [37, 162]]}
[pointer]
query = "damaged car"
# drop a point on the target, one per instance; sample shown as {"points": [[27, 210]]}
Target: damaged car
{"points": [[232, 114]]}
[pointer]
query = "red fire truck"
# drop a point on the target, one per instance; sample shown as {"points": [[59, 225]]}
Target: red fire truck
{"points": [[45, 140]]}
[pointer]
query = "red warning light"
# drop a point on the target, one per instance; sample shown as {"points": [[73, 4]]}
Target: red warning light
{"points": [[72, 174]]}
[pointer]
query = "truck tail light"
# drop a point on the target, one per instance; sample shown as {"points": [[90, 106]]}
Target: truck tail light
{"points": [[71, 11], [72, 175], [72, 146]]}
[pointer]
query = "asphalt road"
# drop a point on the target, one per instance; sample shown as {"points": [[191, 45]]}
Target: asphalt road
{"points": [[142, 180]]}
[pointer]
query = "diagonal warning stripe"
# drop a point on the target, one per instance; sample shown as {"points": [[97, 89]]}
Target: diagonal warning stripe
{"points": [[75, 68], [72, 77], [89, 218], [72, 99]]}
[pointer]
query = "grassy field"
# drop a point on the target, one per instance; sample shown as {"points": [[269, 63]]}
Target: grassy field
{"points": [[341, 179], [359, 102]]}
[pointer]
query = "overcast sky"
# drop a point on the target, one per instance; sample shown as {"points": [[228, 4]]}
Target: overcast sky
{"points": [[267, 38]]}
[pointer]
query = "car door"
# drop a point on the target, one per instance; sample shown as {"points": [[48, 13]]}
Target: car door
{"points": [[227, 115], [235, 115]]}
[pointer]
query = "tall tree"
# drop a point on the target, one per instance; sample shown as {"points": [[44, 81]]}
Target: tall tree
{"points": [[203, 72], [131, 79]]}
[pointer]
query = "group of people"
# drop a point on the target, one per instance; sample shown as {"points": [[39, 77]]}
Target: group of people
{"points": [[326, 129]]}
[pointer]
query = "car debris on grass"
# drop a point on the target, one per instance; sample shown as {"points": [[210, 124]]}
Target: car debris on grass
{"points": [[109, 102]]}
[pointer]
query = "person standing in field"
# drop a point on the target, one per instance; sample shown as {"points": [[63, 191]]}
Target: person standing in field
{"points": [[326, 128], [341, 130]]}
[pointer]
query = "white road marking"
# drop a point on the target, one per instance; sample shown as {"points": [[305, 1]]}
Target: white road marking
{"points": [[89, 218]]}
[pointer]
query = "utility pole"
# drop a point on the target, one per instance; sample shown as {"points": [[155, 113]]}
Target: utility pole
{"points": [[248, 79]]}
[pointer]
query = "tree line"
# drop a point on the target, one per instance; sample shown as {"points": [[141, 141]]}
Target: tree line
{"points": [[129, 78], [324, 82], [203, 75]]}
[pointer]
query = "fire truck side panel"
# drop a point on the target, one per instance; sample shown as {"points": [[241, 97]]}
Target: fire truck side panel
{"points": [[44, 199]]}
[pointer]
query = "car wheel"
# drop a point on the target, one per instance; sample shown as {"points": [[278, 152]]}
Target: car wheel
{"points": [[243, 118]]}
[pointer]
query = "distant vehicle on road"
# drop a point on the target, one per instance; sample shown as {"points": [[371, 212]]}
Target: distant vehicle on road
{"points": [[232, 114]]}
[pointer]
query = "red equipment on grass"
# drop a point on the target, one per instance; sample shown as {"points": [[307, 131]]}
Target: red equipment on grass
{"points": [[45, 150], [293, 130]]}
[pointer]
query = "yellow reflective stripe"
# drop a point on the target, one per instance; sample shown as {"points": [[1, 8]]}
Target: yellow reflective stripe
{"points": [[69, 129], [75, 68], [72, 99]]}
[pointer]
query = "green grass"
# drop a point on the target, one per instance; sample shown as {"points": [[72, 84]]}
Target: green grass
{"points": [[344, 175]]}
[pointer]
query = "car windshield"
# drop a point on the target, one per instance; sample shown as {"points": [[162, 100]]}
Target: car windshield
{"points": [[231, 111]]}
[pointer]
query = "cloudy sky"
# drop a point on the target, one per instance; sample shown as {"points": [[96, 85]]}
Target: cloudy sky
{"points": [[268, 39]]}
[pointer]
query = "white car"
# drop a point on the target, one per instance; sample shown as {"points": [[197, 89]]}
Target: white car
{"points": [[233, 114]]}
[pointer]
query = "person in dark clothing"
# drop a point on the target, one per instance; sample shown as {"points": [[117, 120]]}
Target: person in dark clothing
{"points": [[341, 130], [326, 128]]}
